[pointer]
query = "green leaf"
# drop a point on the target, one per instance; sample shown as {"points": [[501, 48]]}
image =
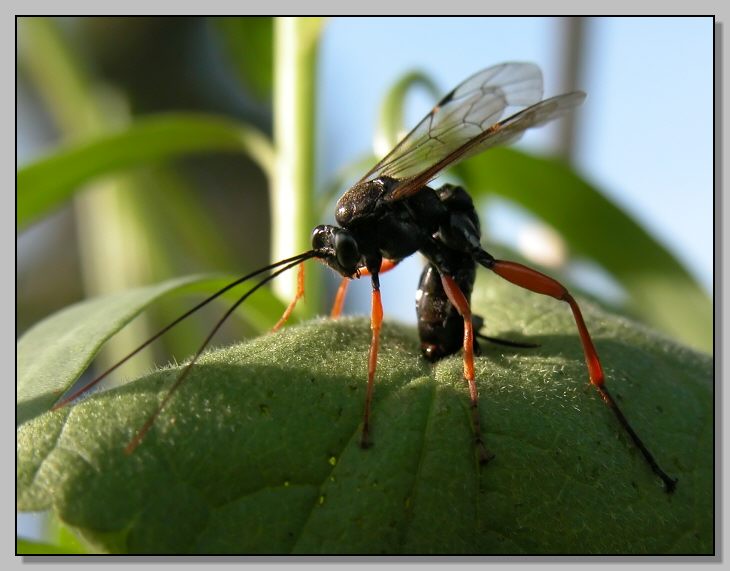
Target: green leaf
{"points": [[249, 41], [391, 126], [29, 547], [258, 451], [44, 185], [52, 355], [662, 291]]}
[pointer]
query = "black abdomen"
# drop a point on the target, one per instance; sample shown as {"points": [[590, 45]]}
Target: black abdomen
{"points": [[440, 327]]}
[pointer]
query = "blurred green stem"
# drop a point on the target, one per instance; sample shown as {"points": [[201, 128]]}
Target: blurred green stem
{"points": [[296, 42]]}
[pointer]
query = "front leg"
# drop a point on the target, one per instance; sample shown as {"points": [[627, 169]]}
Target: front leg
{"points": [[339, 303], [376, 320]]}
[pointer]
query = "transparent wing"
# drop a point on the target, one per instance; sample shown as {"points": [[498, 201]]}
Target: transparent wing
{"points": [[461, 115], [467, 121], [502, 133]]}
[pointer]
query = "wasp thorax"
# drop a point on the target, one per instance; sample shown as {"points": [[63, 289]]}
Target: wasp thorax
{"points": [[360, 202]]}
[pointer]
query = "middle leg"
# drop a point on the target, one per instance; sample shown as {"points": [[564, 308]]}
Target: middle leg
{"points": [[459, 301], [445, 325]]}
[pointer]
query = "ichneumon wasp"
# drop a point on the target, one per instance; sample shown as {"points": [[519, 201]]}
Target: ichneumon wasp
{"points": [[392, 213]]}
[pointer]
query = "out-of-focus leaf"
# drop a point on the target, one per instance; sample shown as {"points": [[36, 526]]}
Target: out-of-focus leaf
{"points": [[391, 128], [45, 184], [249, 43], [62, 535], [662, 291], [52, 355], [258, 452], [29, 547]]}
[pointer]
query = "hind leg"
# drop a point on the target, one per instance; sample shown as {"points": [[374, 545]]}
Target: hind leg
{"points": [[538, 282]]}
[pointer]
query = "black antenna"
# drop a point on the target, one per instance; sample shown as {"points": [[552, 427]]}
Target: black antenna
{"points": [[183, 375], [73, 396]]}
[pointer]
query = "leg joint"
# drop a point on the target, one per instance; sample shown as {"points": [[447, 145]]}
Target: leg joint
{"points": [[484, 258]]}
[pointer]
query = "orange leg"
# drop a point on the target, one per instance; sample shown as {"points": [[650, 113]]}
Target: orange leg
{"points": [[299, 294], [459, 301], [385, 266], [540, 283], [340, 298], [376, 320]]}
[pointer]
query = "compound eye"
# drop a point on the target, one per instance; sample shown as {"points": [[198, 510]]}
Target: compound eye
{"points": [[348, 254]]}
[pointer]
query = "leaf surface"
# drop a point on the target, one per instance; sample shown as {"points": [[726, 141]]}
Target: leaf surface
{"points": [[258, 452], [53, 354]]}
